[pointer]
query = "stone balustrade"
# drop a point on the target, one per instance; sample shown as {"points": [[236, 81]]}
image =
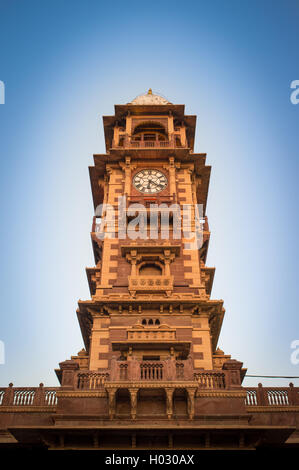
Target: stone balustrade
{"points": [[148, 371], [272, 396], [28, 396]]}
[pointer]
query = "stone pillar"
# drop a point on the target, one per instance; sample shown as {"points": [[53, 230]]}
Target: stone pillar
{"points": [[233, 375], [69, 369], [39, 397], [191, 396], [114, 369], [293, 396], [260, 396], [169, 402], [171, 169], [111, 402], [8, 396], [127, 169], [133, 395]]}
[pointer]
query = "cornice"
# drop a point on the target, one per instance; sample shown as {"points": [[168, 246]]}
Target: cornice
{"points": [[27, 409], [82, 394], [139, 384], [220, 394], [273, 409]]}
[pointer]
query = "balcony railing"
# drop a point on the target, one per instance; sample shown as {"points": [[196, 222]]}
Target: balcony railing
{"points": [[147, 371], [151, 371], [28, 396], [272, 396], [211, 379], [130, 142], [166, 370], [91, 380]]}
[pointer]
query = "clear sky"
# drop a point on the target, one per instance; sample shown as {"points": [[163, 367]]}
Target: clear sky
{"points": [[65, 63]]}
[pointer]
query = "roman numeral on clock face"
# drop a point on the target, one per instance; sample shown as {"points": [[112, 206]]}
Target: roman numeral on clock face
{"points": [[150, 181]]}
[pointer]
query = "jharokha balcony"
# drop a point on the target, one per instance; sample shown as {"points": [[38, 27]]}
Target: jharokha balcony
{"points": [[144, 142]]}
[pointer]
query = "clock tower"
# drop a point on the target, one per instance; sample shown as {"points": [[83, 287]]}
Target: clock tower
{"points": [[151, 329]]}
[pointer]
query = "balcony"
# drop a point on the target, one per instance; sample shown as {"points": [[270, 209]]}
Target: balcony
{"points": [[133, 143], [151, 371]]}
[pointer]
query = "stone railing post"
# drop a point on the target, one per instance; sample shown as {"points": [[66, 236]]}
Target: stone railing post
{"points": [[169, 367], [188, 369], [39, 397], [69, 369], [8, 396], [293, 396], [233, 375], [260, 396], [133, 369], [114, 369]]}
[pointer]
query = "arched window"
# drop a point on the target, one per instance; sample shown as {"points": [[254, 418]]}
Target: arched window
{"points": [[157, 322], [150, 322], [149, 131], [150, 270], [144, 321]]}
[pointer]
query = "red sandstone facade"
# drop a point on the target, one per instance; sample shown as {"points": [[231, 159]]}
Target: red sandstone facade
{"points": [[150, 375]]}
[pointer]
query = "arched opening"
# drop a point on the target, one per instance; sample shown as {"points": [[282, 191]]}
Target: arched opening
{"points": [[150, 269], [157, 322], [150, 322], [149, 131], [144, 321], [123, 403], [180, 403]]}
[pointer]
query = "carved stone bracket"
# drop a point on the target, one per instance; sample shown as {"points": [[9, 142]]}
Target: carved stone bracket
{"points": [[169, 402], [133, 395]]}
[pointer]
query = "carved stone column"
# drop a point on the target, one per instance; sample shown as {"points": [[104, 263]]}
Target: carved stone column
{"points": [[191, 396], [133, 395], [111, 402], [127, 169], [169, 402], [171, 169]]}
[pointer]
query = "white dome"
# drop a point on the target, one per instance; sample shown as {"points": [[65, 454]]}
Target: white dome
{"points": [[149, 99]]}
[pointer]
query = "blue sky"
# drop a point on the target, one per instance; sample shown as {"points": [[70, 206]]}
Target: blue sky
{"points": [[64, 65]]}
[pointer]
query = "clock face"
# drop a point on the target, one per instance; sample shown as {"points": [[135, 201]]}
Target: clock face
{"points": [[150, 181]]}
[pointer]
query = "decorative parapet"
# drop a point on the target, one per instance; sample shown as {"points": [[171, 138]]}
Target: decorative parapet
{"points": [[135, 370], [211, 379], [151, 283], [154, 334], [91, 380], [28, 396], [272, 396]]}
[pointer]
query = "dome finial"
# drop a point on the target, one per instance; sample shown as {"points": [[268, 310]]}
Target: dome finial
{"points": [[150, 92]]}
